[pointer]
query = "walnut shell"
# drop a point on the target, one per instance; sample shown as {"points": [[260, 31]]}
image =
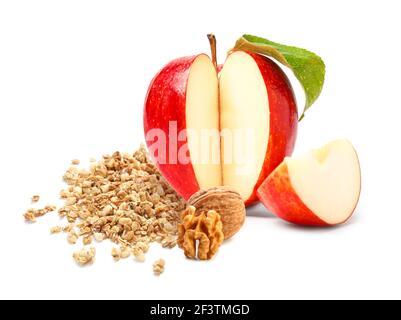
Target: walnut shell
{"points": [[227, 202]]}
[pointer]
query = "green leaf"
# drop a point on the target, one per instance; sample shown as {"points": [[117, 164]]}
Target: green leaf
{"points": [[308, 67]]}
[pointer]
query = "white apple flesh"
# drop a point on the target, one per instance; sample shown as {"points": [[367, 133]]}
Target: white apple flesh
{"points": [[202, 116], [244, 105]]}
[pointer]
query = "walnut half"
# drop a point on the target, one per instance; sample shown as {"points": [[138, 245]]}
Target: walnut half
{"points": [[200, 235]]}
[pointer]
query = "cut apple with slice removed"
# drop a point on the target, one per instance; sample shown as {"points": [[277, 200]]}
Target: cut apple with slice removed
{"points": [[320, 188], [239, 124]]}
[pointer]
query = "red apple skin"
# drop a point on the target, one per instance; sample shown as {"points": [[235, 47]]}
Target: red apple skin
{"points": [[283, 118], [279, 197], [165, 102]]}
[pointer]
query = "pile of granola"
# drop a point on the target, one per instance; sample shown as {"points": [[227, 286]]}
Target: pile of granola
{"points": [[123, 198]]}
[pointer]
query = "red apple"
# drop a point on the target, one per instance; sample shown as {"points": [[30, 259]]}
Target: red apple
{"points": [[320, 188], [250, 94]]}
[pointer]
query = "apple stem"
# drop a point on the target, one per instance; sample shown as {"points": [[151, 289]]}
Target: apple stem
{"points": [[212, 41]]}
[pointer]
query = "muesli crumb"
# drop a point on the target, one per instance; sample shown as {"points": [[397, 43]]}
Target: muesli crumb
{"points": [[84, 256], [56, 229], [158, 267]]}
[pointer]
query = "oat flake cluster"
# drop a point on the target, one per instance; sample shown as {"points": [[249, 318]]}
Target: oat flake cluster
{"points": [[123, 198]]}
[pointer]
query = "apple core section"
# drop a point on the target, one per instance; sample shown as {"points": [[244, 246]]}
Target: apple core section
{"points": [[202, 122], [244, 122]]}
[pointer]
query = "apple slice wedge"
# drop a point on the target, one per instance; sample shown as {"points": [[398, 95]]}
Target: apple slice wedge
{"points": [[320, 188]]}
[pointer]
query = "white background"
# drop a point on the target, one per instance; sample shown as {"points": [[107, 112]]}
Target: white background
{"points": [[73, 76]]}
